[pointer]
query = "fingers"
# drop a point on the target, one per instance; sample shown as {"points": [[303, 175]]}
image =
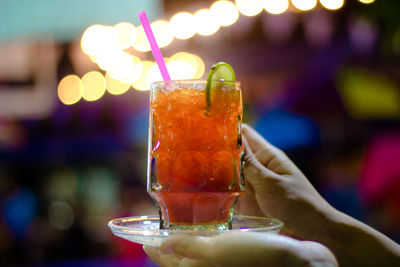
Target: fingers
{"points": [[258, 149], [227, 250], [241, 249], [251, 159], [319, 254], [186, 262], [170, 260], [155, 254], [247, 203], [195, 247], [194, 250], [206, 250]]}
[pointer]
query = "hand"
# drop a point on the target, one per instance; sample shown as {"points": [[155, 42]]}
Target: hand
{"points": [[276, 188], [240, 249]]}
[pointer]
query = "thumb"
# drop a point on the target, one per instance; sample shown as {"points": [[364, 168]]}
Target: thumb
{"points": [[257, 149], [261, 148], [256, 173], [194, 247]]}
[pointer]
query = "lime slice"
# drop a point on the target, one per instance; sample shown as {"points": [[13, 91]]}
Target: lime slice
{"points": [[219, 73]]}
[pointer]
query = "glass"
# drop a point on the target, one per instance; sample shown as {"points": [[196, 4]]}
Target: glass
{"points": [[195, 154], [146, 229]]}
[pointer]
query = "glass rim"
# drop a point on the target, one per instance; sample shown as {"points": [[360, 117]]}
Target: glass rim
{"points": [[183, 81]]}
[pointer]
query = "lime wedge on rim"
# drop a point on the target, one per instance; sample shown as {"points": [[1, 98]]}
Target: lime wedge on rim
{"points": [[219, 73]]}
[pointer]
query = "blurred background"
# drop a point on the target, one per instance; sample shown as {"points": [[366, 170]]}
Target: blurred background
{"points": [[320, 80]]}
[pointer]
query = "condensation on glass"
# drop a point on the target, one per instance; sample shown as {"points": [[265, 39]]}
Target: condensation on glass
{"points": [[195, 153]]}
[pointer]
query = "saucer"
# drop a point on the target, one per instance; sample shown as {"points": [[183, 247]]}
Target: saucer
{"points": [[146, 230]]}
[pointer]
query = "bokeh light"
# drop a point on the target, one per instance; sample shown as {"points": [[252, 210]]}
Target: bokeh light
{"points": [[141, 83], [366, 1], [396, 41], [304, 5], [205, 22], [154, 74], [116, 87], [138, 68], [194, 70], [127, 34], [121, 66], [98, 39], [276, 6], [200, 67], [106, 61], [249, 7], [94, 86], [363, 34], [332, 4], [109, 40], [181, 25], [61, 215], [182, 65], [180, 69], [19, 210], [369, 95], [93, 58], [90, 38], [141, 44], [225, 12], [70, 89], [162, 32]]}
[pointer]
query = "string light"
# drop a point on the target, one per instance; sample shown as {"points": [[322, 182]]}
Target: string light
{"points": [[138, 68], [141, 83], [276, 6], [116, 87], [94, 86], [195, 66], [127, 34], [105, 46], [181, 25], [249, 7], [154, 75], [200, 67], [366, 1], [225, 12], [123, 67], [70, 89], [141, 44], [181, 69], [162, 32], [90, 38], [304, 5], [98, 39], [107, 61], [332, 4], [205, 22]]}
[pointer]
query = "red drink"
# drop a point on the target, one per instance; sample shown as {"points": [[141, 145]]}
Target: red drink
{"points": [[195, 153]]}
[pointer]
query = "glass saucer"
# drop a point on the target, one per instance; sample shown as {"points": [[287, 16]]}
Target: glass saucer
{"points": [[146, 230]]}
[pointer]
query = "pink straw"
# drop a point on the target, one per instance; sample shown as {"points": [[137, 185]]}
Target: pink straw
{"points": [[154, 47]]}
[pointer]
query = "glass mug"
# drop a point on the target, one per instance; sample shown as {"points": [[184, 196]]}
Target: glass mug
{"points": [[195, 153]]}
